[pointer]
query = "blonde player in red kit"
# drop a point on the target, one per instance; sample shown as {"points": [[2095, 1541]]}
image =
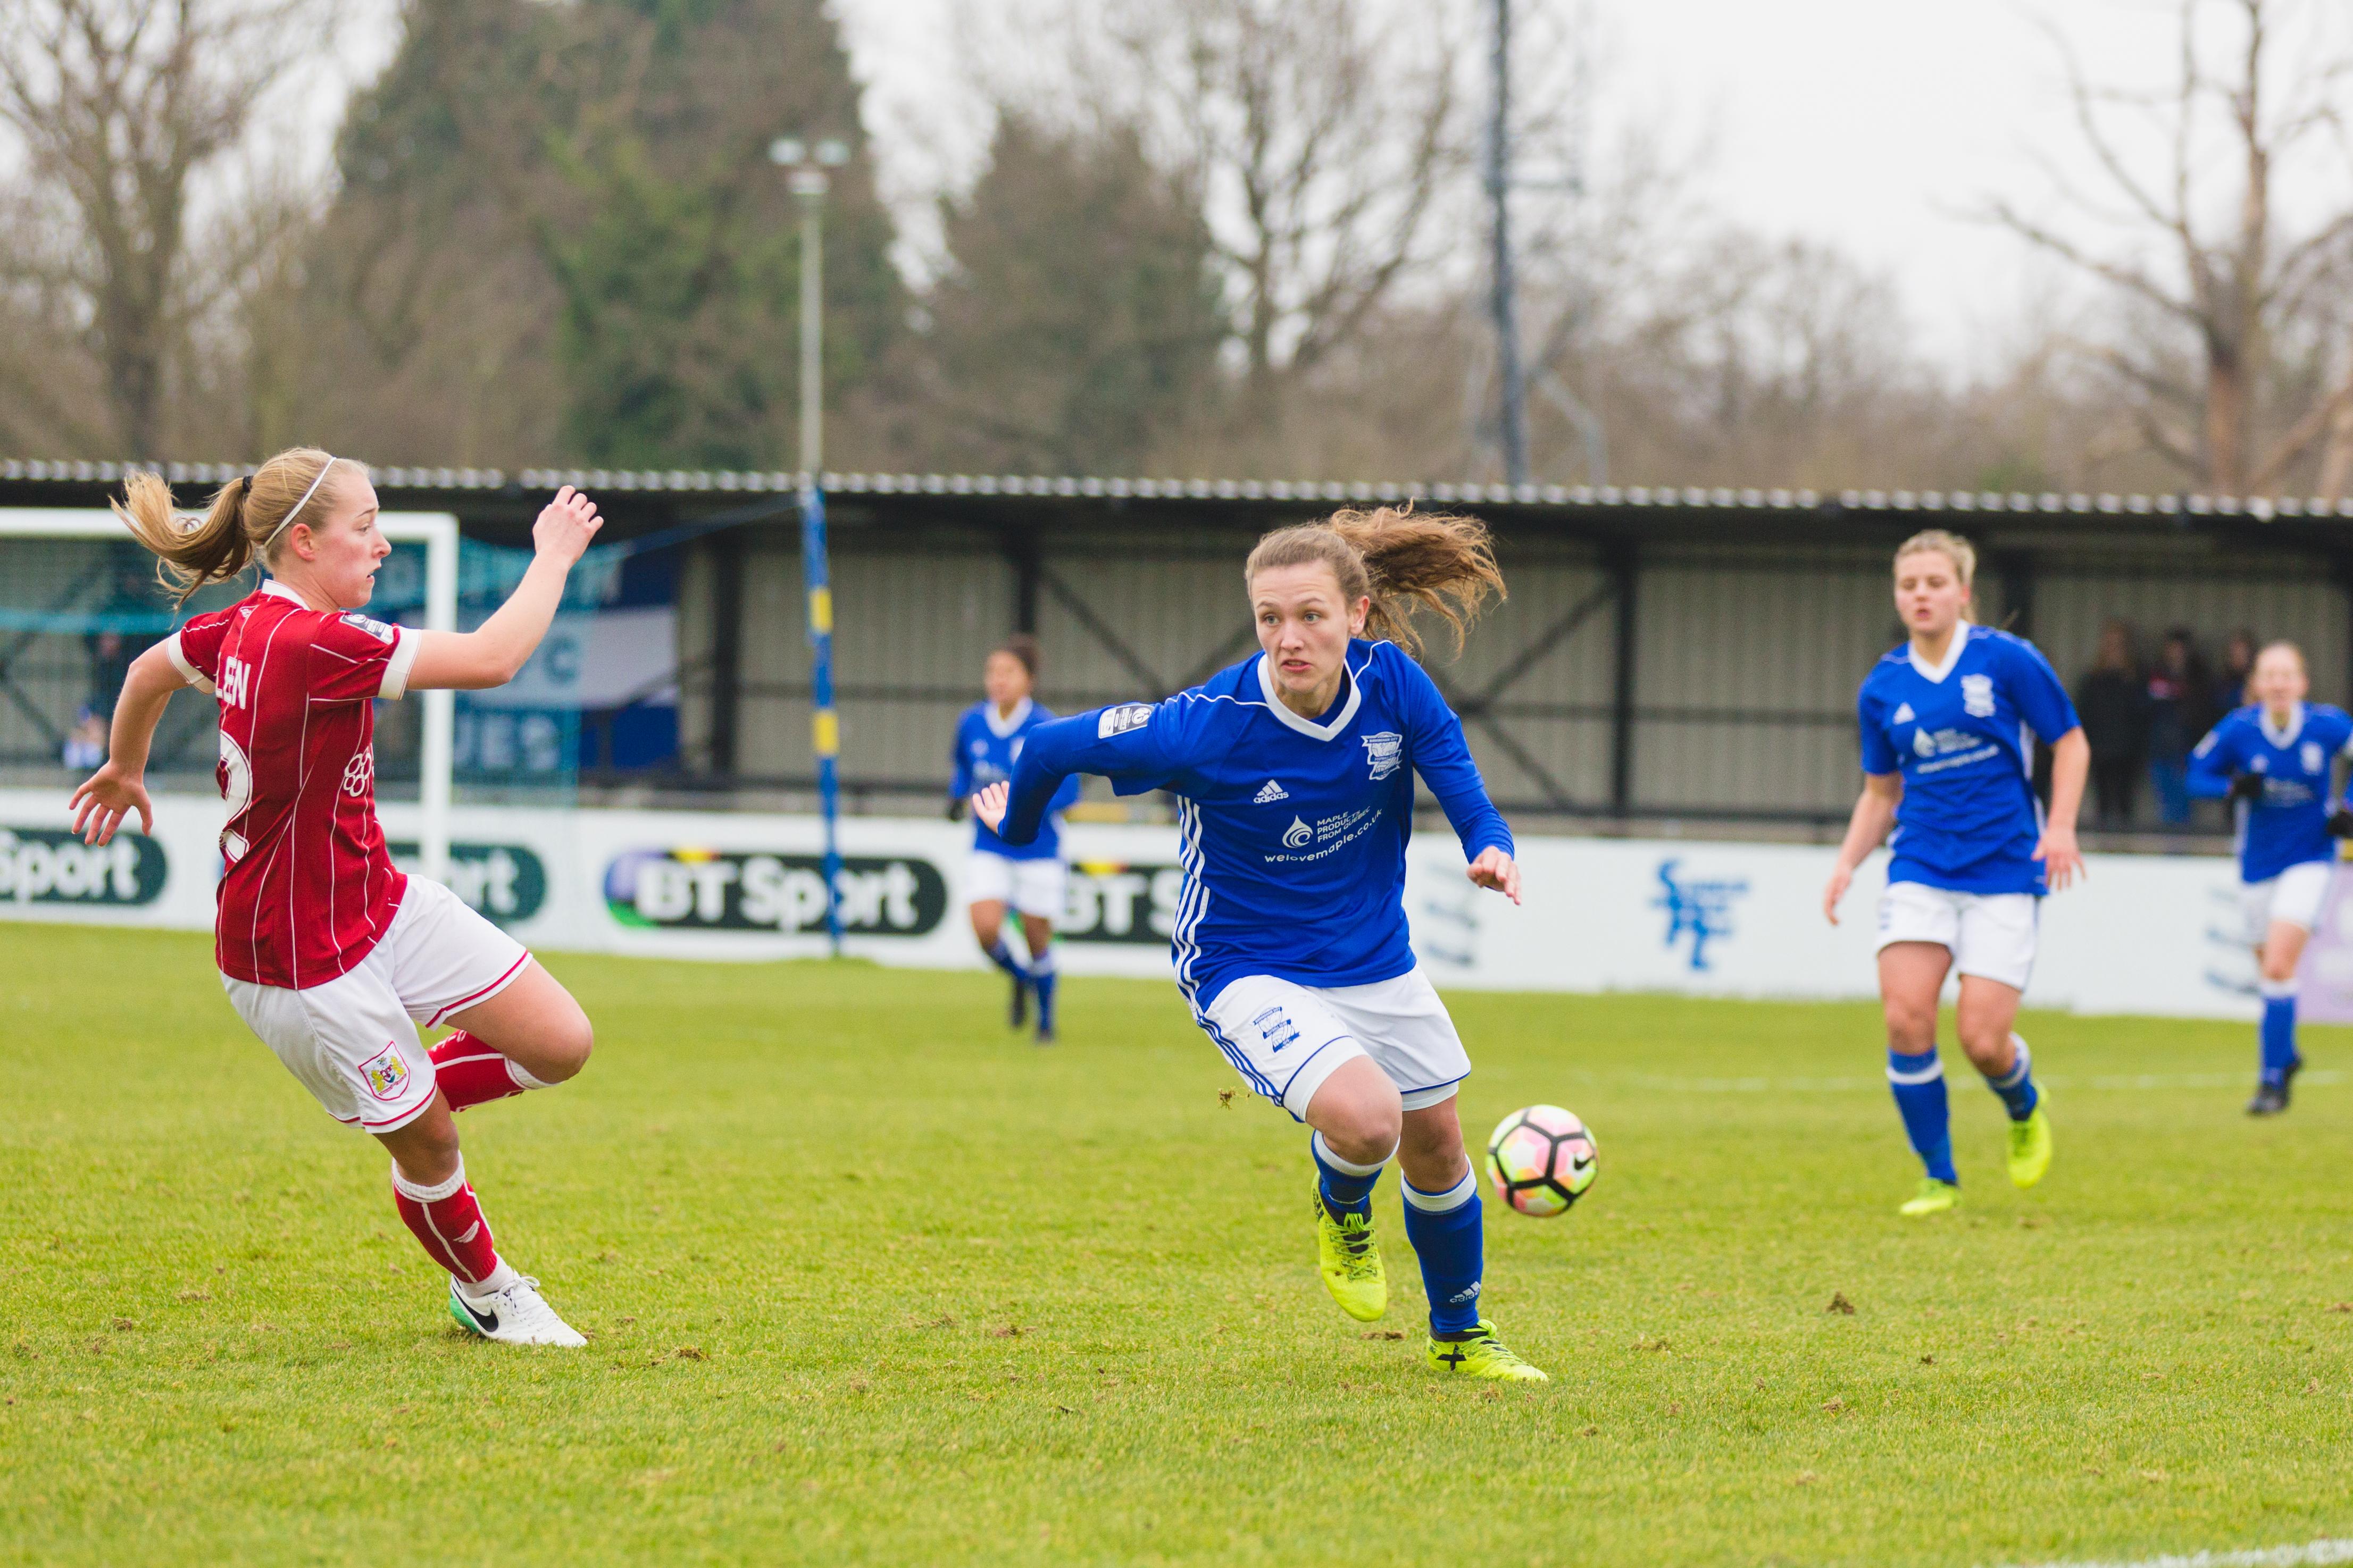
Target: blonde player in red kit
{"points": [[331, 956]]}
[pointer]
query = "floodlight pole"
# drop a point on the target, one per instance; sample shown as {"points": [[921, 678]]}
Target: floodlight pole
{"points": [[1504, 301], [809, 183]]}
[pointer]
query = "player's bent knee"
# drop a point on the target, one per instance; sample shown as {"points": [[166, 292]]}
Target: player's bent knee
{"points": [[571, 1042]]}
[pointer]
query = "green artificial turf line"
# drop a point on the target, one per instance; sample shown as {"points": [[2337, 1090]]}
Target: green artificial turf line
{"points": [[869, 1280]]}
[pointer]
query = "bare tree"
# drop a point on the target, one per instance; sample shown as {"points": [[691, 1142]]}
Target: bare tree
{"points": [[2207, 390], [1323, 134], [120, 104]]}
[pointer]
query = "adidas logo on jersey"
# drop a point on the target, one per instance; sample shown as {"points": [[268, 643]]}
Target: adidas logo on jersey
{"points": [[1904, 715], [1271, 793]]}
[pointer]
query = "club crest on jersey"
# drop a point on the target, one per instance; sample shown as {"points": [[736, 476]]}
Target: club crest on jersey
{"points": [[1120, 719], [359, 773], [1270, 795], [2314, 758], [1976, 696], [386, 1073], [374, 629], [1297, 835], [1384, 751]]}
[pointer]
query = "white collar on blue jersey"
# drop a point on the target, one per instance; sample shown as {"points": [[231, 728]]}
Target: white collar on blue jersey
{"points": [[1309, 727], [1001, 728], [2280, 737], [1936, 672], [272, 586]]}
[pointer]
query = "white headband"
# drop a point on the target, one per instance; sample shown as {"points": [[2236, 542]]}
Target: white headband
{"points": [[299, 505]]}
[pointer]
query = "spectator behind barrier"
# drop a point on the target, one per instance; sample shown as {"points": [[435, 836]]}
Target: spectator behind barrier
{"points": [[2230, 686], [2180, 711], [2113, 702]]}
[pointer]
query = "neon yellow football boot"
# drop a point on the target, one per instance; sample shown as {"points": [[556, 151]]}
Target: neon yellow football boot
{"points": [[1480, 1355], [1349, 1258], [2029, 1145], [1934, 1197]]}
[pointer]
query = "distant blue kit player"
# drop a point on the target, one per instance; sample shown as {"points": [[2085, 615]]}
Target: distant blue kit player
{"points": [[1295, 775], [2276, 762], [1030, 877], [1947, 723]]}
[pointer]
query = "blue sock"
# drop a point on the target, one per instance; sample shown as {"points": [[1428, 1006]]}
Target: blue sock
{"points": [[1002, 956], [2279, 1030], [1449, 1239], [1348, 1188], [1918, 1082], [2016, 1087], [1042, 976]]}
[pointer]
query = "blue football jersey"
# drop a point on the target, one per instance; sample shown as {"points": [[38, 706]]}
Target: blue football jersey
{"points": [[985, 750], [1960, 736], [1293, 831], [2289, 826]]}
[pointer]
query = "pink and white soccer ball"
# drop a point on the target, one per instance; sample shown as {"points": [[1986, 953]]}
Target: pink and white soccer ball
{"points": [[1542, 1159]]}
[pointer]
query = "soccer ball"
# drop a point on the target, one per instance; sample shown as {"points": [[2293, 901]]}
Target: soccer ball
{"points": [[1541, 1159]]}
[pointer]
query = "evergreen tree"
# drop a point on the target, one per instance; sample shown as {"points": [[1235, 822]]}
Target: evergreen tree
{"points": [[1077, 330], [573, 206]]}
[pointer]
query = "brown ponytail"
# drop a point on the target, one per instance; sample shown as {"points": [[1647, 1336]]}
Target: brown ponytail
{"points": [[244, 523], [1403, 559]]}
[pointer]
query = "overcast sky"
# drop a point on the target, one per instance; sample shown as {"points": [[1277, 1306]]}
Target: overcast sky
{"points": [[1873, 125]]}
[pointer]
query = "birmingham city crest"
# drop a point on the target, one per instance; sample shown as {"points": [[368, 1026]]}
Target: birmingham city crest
{"points": [[1384, 751]]}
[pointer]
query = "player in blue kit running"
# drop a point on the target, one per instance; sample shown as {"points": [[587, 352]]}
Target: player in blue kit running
{"points": [[1946, 760], [1031, 878], [2274, 762], [1295, 774]]}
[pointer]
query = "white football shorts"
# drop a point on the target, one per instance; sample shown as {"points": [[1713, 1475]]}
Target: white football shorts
{"points": [[2295, 896], [1989, 934], [1285, 1038], [352, 1041], [1032, 887]]}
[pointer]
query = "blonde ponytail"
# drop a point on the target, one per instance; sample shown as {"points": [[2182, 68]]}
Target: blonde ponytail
{"points": [[242, 526], [1402, 560]]}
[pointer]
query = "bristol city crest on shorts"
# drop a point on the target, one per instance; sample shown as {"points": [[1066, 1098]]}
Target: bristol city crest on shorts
{"points": [[386, 1073], [1384, 751]]}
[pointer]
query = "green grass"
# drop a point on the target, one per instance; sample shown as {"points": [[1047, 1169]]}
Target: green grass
{"points": [[871, 1281]]}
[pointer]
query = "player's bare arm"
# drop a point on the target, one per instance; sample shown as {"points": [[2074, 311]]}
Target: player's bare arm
{"points": [[2071, 764], [118, 788], [493, 653], [1875, 813]]}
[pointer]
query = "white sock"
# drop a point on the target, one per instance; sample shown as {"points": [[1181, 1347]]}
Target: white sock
{"points": [[499, 1280]]}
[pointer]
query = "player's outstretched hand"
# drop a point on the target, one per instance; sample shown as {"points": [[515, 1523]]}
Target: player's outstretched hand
{"points": [[1495, 869], [105, 799], [565, 526], [2061, 862], [989, 805], [1842, 878]]}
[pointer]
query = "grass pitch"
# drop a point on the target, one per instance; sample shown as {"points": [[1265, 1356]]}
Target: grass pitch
{"points": [[869, 1281]]}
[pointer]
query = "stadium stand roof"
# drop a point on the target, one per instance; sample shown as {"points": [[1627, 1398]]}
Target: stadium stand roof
{"points": [[676, 481]]}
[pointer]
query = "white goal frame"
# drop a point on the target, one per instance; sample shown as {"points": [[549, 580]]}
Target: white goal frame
{"points": [[437, 530]]}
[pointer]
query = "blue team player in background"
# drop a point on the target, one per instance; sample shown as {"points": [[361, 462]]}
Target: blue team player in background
{"points": [[2274, 760], [1295, 775], [1947, 759], [1031, 878]]}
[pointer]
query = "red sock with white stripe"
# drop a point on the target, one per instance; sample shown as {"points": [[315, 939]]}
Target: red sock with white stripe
{"points": [[470, 1073], [449, 1224]]}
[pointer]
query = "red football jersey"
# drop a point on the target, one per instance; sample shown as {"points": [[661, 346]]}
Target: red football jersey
{"points": [[310, 887]]}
